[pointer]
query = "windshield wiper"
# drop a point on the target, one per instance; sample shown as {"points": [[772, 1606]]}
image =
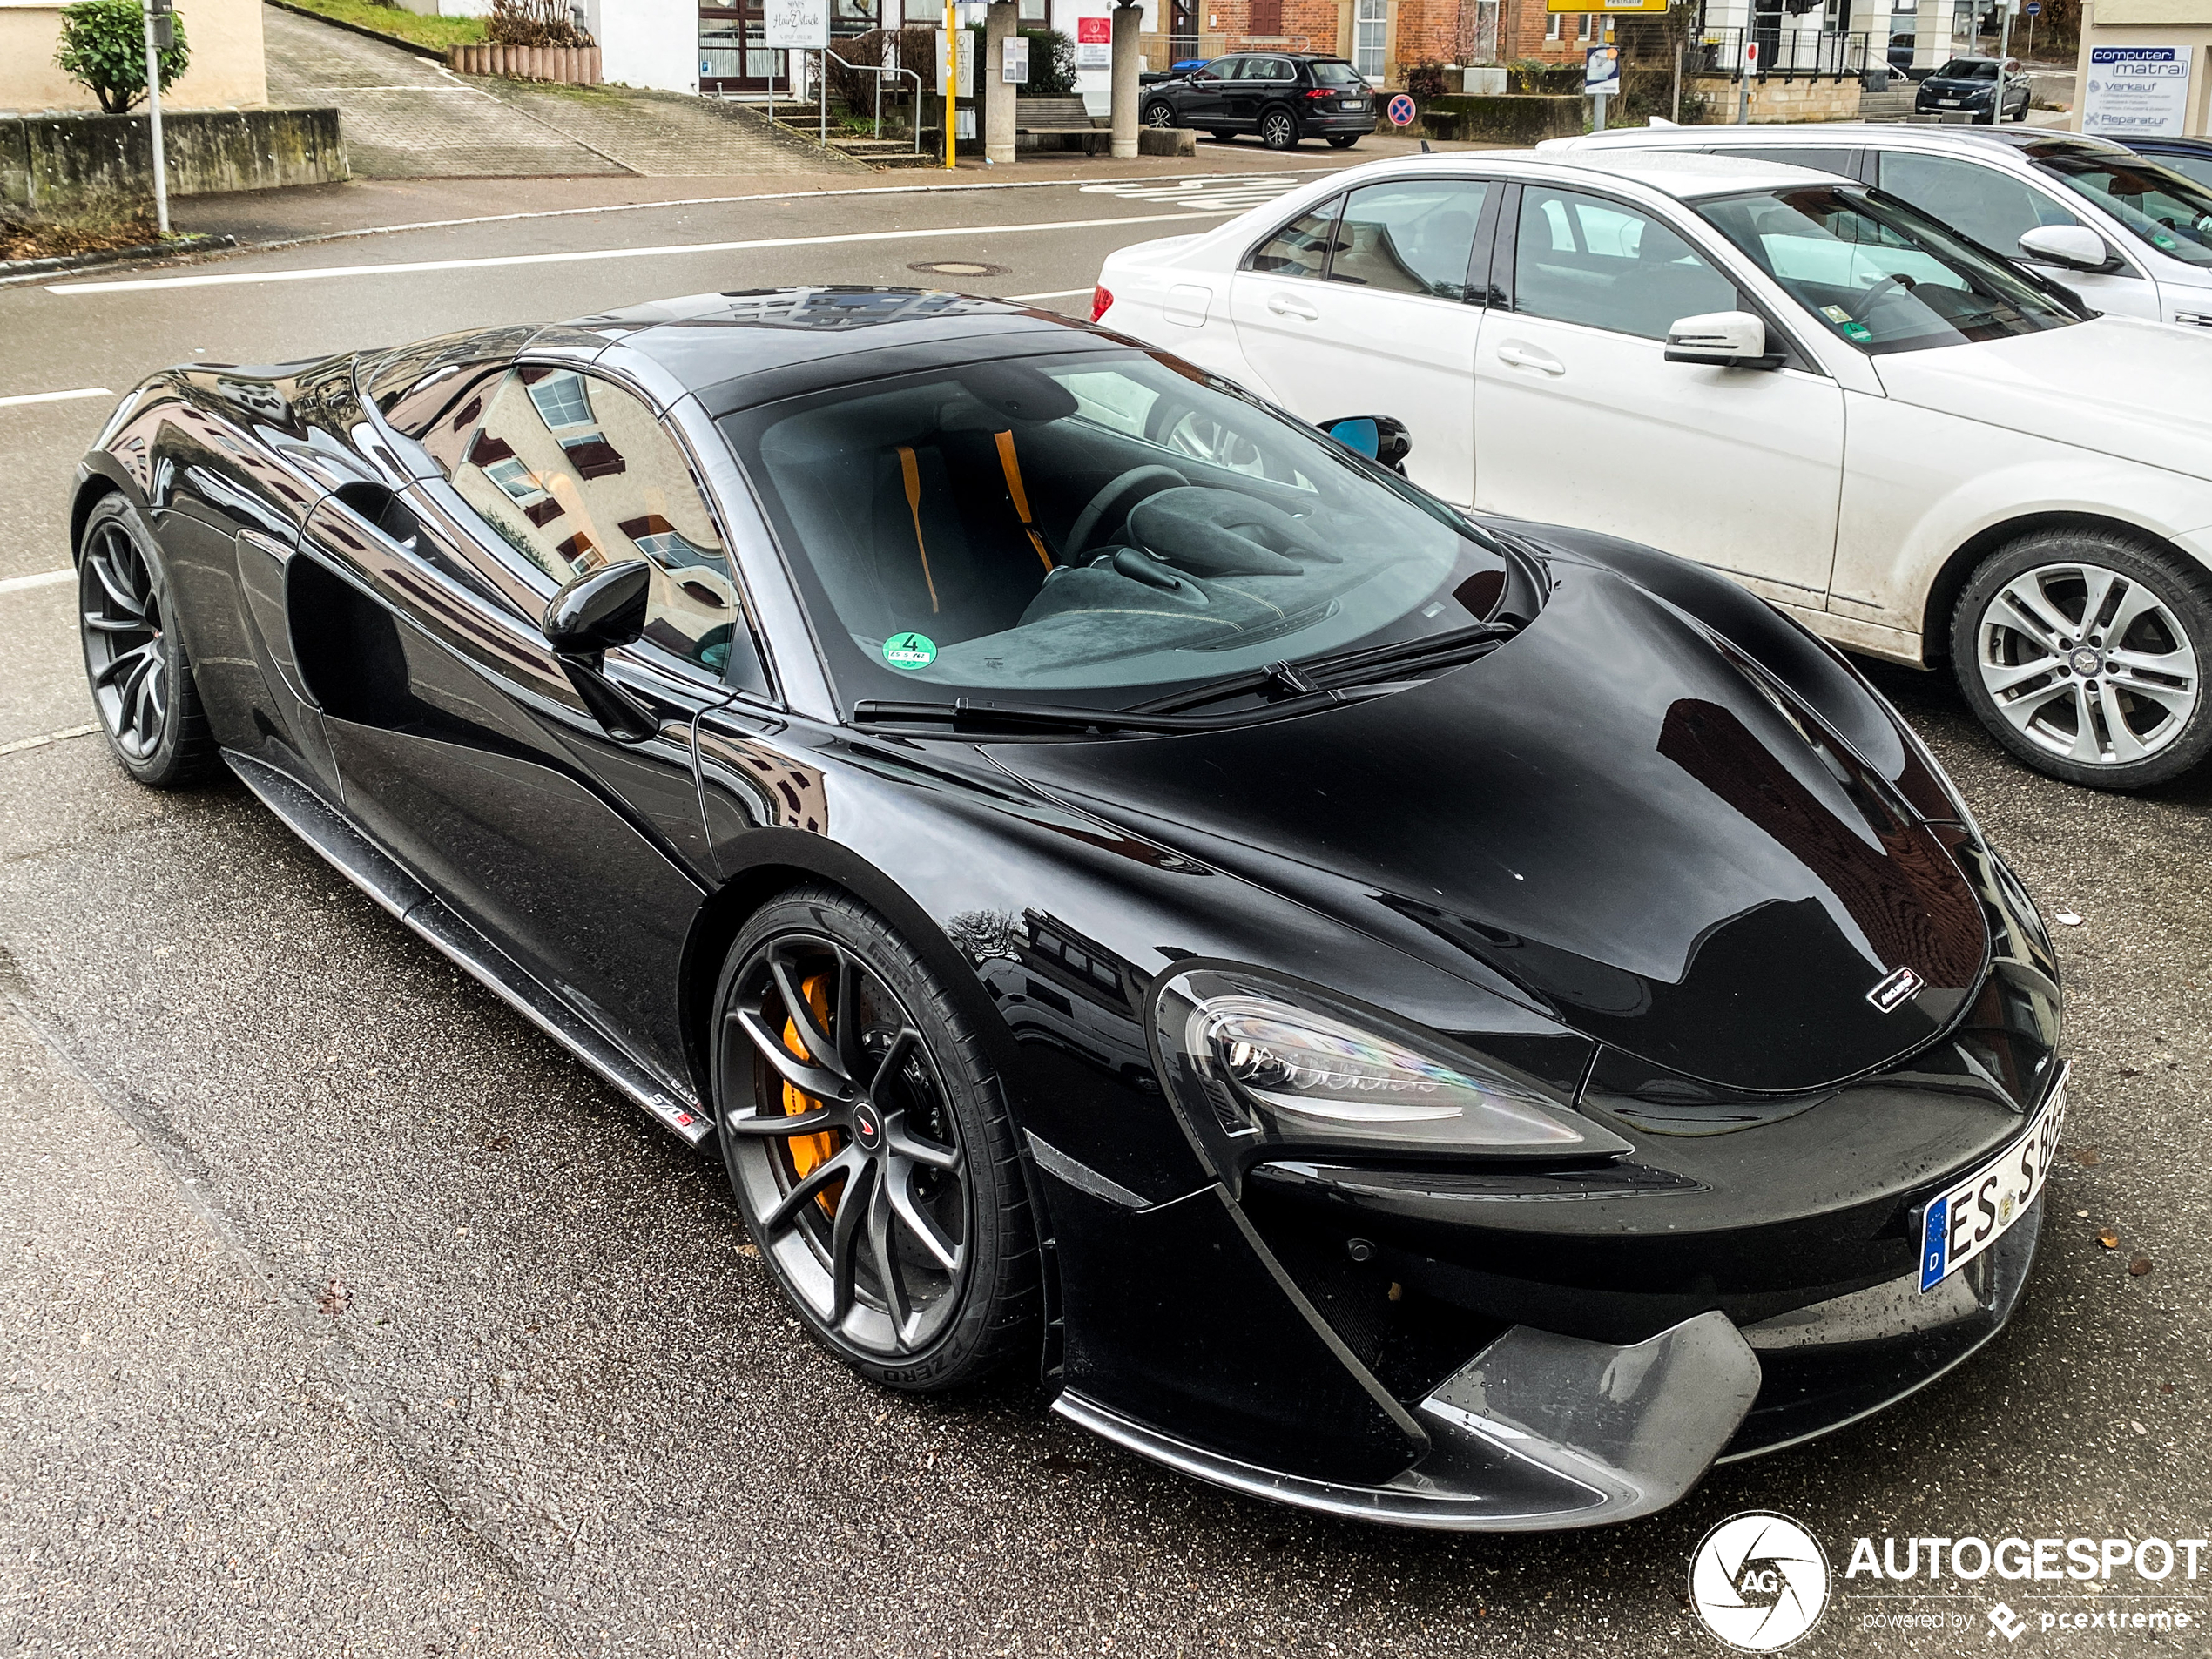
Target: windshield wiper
{"points": [[964, 717], [1324, 678]]}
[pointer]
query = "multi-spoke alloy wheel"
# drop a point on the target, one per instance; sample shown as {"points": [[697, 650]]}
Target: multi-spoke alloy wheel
{"points": [[1278, 130], [2084, 655], [869, 1156], [141, 684]]}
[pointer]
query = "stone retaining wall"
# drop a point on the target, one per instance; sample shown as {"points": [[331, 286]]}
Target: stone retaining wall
{"points": [[570, 65], [59, 161]]}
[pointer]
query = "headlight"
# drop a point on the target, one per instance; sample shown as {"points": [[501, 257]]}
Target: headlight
{"points": [[1253, 1066]]}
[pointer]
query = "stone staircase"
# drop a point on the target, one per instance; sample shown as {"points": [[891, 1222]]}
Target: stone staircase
{"points": [[1896, 104]]}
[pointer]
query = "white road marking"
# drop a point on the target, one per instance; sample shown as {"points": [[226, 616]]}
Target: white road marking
{"points": [[54, 397], [43, 579], [41, 741], [1204, 192], [413, 266], [1058, 293]]}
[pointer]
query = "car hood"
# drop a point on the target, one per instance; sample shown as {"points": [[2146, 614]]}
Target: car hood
{"points": [[2063, 381], [1956, 85], [1615, 815]]}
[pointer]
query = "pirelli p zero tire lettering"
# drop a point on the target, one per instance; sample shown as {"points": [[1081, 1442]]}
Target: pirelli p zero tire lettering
{"points": [[870, 1148]]}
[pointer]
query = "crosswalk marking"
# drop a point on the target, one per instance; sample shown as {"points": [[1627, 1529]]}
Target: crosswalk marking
{"points": [[1209, 193]]}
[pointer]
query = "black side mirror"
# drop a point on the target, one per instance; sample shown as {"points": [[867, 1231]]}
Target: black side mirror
{"points": [[588, 617], [600, 610], [1381, 438]]}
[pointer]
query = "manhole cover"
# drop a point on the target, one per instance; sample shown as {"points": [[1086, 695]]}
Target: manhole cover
{"points": [[960, 267]]}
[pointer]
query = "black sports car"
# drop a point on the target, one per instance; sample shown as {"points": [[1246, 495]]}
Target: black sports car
{"points": [[1451, 1021]]}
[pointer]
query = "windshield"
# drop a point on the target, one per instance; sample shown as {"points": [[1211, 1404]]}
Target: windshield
{"points": [[1092, 522], [1330, 74], [1883, 276], [1968, 69], [2172, 214]]}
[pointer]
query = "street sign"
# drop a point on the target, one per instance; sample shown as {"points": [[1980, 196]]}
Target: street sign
{"points": [[801, 25], [1013, 69], [1602, 70], [2034, 8], [1094, 43], [2137, 91], [1400, 111], [1751, 55]]}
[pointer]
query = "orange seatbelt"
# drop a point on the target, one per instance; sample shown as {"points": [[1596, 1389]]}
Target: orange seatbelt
{"points": [[1011, 466], [914, 506]]}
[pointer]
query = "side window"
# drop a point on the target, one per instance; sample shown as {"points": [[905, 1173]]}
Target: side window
{"points": [[1224, 68], [1578, 258], [1301, 247], [1980, 202], [1270, 69], [573, 473], [1410, 237]]}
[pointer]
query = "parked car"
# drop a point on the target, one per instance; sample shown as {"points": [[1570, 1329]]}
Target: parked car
{"points": [[1176, 71], [1283, 96], [1912, 447], [1969, 86], [2131, 235], [2191, 158], [1454, 1025]]}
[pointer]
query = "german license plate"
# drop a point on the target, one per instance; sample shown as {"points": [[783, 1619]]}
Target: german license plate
{"points": [[1973, 1215], [1351, 104], [1948, 103]]}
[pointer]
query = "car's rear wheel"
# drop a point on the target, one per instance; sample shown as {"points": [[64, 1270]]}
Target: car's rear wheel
{"points": [[1221, 135], [1159, 114], [870, 1148], [141, 682], [2083, 652], [1343, 140], [1278, 130]]}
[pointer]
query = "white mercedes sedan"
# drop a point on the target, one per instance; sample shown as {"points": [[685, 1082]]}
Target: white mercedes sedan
{"points": [[1913, 448]]}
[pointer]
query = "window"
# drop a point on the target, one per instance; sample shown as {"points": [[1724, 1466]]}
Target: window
{"points": [[1983, 202], [1819, 157], [1554, 23], [2170, 212], [2190, 166], [1578, 258], [1409, 238], [941, 525], [1269, 69], [1370, 36], [574, 474], [1223, 68], [1301, 247], [1033, 12], [1334, 72], [1880, 274]]}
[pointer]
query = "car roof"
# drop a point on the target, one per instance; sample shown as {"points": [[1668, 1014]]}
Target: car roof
{"points": [[1832, 134], [1689, 175], [753, 346]]}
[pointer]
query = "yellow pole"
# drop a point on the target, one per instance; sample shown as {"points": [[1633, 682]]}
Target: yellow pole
{"points": [[952, 75]]}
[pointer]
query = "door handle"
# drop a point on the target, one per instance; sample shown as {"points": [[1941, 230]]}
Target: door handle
{"points": [[1284, 305], [1528, 357]]}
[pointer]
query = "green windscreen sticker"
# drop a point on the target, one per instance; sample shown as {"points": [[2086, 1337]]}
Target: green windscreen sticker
{"points": [[910, 651]]}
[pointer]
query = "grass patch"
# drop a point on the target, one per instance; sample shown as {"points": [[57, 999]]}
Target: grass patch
{"points": [[91, 230], [422, 29]]}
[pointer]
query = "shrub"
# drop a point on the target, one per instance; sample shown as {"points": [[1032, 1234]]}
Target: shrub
{"points": [[1425, 80], [103, 49], [535, 23]]}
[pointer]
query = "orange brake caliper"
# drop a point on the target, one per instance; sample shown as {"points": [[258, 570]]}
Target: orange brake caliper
{"points": [[808, 1151]]}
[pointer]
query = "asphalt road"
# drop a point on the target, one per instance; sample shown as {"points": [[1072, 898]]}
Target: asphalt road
{"points": [[341, 1313]]}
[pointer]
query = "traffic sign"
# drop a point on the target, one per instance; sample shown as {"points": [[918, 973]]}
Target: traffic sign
{"points": [[1400, 111], [2034, 8]]}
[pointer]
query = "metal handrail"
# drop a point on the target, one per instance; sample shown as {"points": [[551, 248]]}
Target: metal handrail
{"points": [[879, 70]]}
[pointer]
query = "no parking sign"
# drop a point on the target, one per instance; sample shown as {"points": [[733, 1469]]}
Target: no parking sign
{"points": [[1400, 111]]}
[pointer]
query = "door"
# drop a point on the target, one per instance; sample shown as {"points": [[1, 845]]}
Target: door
{"points": [[1204, 100], [1995, 206], [1579, 419], [1365, 306], [1260, 81], [734, 57], [466, 746]]}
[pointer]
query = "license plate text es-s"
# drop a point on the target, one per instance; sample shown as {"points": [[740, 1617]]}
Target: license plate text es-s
{"points": [[1977, 1211]]}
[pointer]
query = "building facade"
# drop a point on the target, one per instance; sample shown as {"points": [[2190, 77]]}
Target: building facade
{"points": [[2183, 25], [228, 69]]}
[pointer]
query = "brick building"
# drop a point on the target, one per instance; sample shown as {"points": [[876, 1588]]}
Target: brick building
{"points": [[1384, 37]]}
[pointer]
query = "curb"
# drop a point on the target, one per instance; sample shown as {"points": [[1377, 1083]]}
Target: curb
{"points": [[435, 53], [197, 243]]}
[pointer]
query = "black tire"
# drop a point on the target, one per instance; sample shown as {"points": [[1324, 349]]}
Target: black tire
{"points": [[941, 1097], [1278, 129], [1221, 135], [134, 658], [1343, 140], [1159, 114], [2113, 709]]}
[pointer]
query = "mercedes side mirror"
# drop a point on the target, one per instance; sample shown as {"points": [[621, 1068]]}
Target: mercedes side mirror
{"points": [[1720, 339], [2071, 247], [1381, 438], [590, 616]]}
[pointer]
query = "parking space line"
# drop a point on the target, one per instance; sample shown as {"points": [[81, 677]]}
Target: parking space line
{"points": [[42, 740], [413, 266], [54, 397], [43, 579]]}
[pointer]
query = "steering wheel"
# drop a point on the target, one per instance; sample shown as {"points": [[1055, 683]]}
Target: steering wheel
{"points": [[1880, 288], [1094, 512]]}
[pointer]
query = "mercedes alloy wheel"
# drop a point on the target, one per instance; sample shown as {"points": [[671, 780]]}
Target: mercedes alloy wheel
{"points": [[2083, 652], [868, 1147]]}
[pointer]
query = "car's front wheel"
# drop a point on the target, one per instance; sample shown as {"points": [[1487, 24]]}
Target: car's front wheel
{"points": [[2083, 652], [1159, 114], [1278, 130], [141, 681], [870, 1147]]}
